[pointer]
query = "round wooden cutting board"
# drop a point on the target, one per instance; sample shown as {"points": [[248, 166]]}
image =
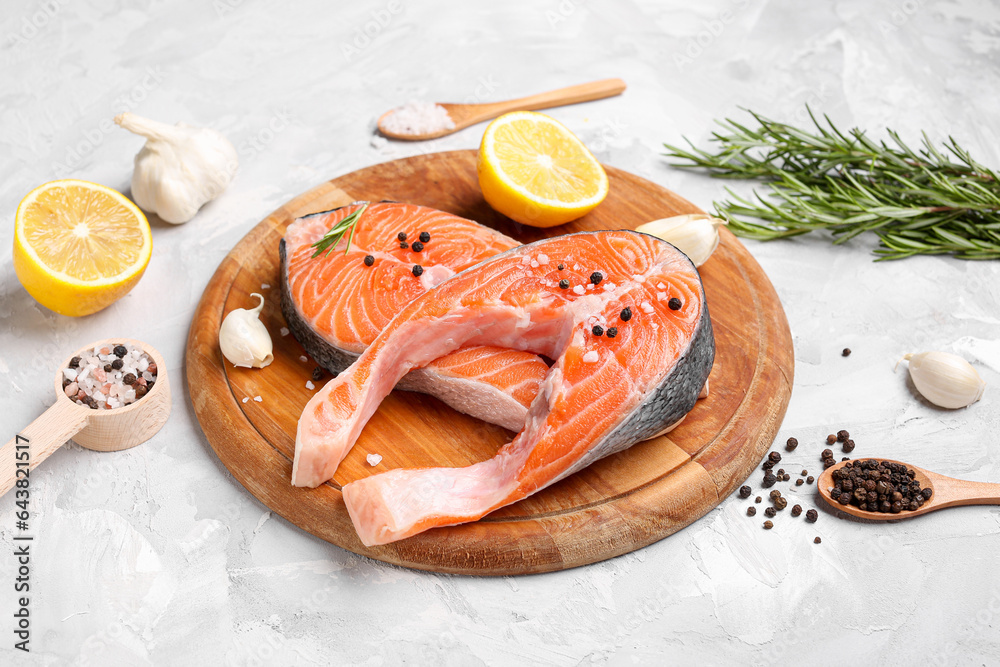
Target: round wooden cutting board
{"points": [[617, 505]]}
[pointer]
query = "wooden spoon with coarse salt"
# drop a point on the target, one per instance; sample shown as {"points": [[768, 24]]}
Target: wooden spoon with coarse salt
{"points": [[464, 115], [945, 492]]}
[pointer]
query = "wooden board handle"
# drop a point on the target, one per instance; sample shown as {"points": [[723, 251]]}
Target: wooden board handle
{"points": [[42, 437], [584, 92]]}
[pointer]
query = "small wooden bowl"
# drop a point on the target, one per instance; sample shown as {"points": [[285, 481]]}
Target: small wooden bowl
{"points": [[107, 430]]}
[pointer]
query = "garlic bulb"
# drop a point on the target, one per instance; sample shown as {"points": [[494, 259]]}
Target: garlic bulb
{"points": [[244, 339], [945, 379], [697, 236], [180, 168]]}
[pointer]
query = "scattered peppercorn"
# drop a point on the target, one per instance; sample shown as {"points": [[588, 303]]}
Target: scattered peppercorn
{"points": [[403, 245], [826, 454], [810, 479], [598, 330], [425, 237], [417, 270], [118, 363], [768, 525], [757, 499], [369, 260], [767, 465], [791, 444], [626, 316], [796, 510], [770, 511], [849, 446], [129, 378], [775, 457], [560, 266], [74, 362], [751, 511], [799, 482], [65, 382], [842, 436], [564, 284], [804, 473], [817, 540], [769, 479], [120, 351], [830, 439], [744, 491], [417, 246], [611, 332], [774, 494], [107, 368], [401, 236], [786, 477], [846, 352], [780, 503], [781, 472], [317, 374], [811, 516], [674, 303], [596, 277]]}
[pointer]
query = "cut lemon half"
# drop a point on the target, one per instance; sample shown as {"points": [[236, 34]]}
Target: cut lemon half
{"points": [[535, 171], [79, 246]]}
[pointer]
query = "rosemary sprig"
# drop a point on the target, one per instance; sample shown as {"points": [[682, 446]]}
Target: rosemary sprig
{"points": [[928, 201], [332, 237]]}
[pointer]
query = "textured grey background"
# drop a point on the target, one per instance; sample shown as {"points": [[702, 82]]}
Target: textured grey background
{"points": [[157, 556]]}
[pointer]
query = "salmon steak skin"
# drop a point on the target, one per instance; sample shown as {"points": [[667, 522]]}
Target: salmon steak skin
{"points": [[335, 304], [626, 324]]}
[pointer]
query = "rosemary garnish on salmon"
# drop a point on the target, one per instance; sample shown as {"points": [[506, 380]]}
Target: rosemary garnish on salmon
{"points": [[332, 237]]}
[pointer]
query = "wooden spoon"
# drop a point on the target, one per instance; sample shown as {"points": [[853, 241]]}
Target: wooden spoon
{"points": [[946, 492], [101, 430], [464, 115]]}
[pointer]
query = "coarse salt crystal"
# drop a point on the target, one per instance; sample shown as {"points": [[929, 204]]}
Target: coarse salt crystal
{"points": [[246, 398], [646, 307], [265, 286], [258, 399], [143, 364], [70, 374], [639, 278], [543, 258], [578, 289], [660, 286], [303, 358], [590, 286], [284, 331], [418, 118], [591, 357], [609, 287], [534, 264], [374, 459], [660, 296], [310, 385]]}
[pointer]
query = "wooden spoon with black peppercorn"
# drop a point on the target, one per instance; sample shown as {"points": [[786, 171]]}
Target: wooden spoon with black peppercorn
{"points": [[938, 491], [106, 430]]}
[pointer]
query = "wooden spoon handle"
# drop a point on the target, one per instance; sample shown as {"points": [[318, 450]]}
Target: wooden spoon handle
{"points": [[584, 92], [951, 492], [38, 440]]}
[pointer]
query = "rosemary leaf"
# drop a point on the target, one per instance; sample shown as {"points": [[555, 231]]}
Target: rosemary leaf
{"points": [[332, 237]]}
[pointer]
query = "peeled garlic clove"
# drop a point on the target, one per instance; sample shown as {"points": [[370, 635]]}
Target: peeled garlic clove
{"points": [[945, 379], [696, 235], [244, 339]]}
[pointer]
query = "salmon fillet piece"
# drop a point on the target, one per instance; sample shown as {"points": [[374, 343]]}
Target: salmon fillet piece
{"points": [[335, 305], [602, 394]]}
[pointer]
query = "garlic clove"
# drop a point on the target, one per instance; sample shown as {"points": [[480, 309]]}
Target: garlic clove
{"points": [[946, 380], [180, 168], [244, 339], [696, 235]]}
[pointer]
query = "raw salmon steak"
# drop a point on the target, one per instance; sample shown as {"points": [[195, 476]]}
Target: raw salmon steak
{"points": [[632, 342], [336, 305]]}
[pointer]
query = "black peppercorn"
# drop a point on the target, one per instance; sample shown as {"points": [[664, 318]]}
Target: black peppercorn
{"points": [[781, 472], [744, 491], [401, 236], [120, 351], [848, 446], [117, 364], [564, 284], [317, 374], [674, 303], [810, 479], [757, 499], [774, 494], [768, 525], [417, 270], [774, 456], [596, 277], [811, 516], [751, 511], [75, 362], [403, 245], [830, 439], [626, 315], [129, 379], [417, 246], [767, 465], [611, 332], [791, 444], [817, 540], [846, 352], [369, 260], [598, 330], [804, 473], [799, 482], [827, 453], [424, 237], [560, 266], [770, 511], [769, 479], [107, 367], [796, 510], [926, 493], [842, 436], [780, 503]]}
